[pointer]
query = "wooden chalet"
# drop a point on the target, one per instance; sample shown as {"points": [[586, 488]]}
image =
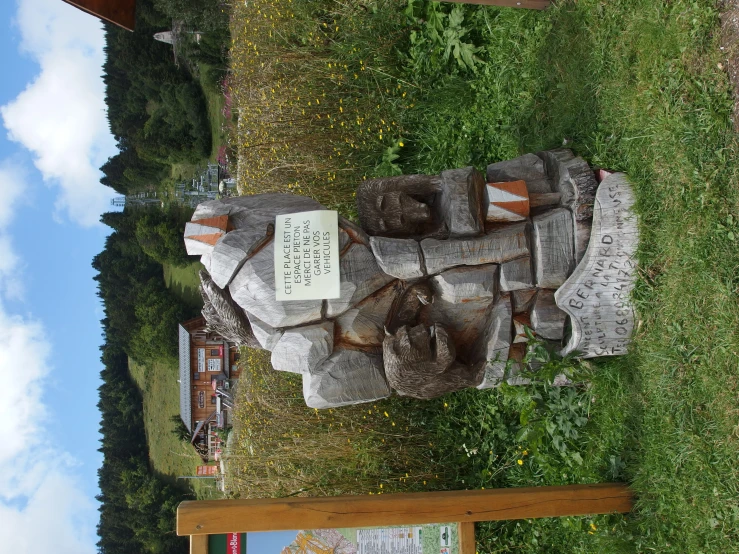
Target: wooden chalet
{"points": [[208, 370], [119, 12]]}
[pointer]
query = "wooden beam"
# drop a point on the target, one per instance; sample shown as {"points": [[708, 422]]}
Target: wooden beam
{"points": [[120, 12], [198, 544], [467, 542], [241, 516], [526, 4]]}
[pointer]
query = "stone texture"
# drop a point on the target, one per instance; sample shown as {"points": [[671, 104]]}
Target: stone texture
{"points": [[463, 284], [360, 277], [266, 335], [523, 300], [495, 341], [253, 288], [547, 320], [553, 247], [346, 377], [500, 245], [399, 258], [364, 325], [302, 349], [460, 202], [597, 294], [528, 168], [516, 275]]}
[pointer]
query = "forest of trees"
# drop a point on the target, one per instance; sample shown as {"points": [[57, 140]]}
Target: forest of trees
{"points": [[158, 115], [137, 511], [156, 108]]}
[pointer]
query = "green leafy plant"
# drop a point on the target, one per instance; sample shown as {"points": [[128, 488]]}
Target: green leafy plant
{"points": [[463, 52]]}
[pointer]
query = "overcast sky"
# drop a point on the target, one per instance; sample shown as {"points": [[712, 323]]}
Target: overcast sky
{"points": [[55, 137]]}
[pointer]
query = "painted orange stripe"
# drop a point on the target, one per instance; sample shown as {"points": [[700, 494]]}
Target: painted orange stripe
{"points": [[211, 239], [219, 222]]}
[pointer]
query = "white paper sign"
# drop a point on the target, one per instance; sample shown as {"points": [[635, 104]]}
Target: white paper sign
{"points": [[394, 540], [307, 256]]}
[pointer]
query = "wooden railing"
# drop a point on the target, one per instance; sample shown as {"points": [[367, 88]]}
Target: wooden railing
{"points": [[201, 518]]}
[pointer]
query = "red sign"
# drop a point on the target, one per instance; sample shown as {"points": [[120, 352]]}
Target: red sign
{"points": [[207, 471], [220, 351], [233, 543]]}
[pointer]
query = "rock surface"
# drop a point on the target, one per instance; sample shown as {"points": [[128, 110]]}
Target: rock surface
{"points": [[346, 377], [400, 258]]}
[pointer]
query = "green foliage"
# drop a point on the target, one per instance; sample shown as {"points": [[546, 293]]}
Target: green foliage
{"points": [[159, 233], [137, 509], [157, 314], [156, 107]]}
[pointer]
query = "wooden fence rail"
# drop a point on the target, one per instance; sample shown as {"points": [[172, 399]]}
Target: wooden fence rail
{"points": [[204, 517]]}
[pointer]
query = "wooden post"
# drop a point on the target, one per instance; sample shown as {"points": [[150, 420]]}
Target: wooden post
{"points": [[205, 517], [527, 4], [467, 543], [198, 544]]}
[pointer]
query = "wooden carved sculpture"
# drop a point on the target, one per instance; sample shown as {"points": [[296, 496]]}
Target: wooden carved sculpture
{"points": [[438, 281]]}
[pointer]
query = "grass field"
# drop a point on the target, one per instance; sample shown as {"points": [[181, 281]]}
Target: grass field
{"points": [[632, 85], [184, 282], [216, 102], [169, 456]]}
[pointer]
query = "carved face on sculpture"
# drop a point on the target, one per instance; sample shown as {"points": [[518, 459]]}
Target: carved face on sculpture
{"points": [[399, 206]]}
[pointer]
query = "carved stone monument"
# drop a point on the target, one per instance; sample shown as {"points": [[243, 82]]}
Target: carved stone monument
{"points": [[438, 282]]}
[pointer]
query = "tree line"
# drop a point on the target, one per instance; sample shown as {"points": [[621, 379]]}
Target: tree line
{"points": [[137, 511], [156, 108], [158, 115]]}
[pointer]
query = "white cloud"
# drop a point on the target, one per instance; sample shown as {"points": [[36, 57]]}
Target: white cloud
{"points": [[61, 116], [41, 506]]}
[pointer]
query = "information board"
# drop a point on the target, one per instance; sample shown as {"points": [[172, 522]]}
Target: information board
{"points": [[307, 256], [409, 539]]}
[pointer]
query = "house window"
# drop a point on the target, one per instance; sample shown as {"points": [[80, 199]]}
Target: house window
{"points": [[215, 352], [237, 357], [196, 376], [212, 398]]}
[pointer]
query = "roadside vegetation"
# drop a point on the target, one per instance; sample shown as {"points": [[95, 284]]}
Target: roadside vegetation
{"points": [[631, 85]]}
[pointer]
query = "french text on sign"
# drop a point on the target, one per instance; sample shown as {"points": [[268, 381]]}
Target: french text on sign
{"points": [[307, 256]]}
